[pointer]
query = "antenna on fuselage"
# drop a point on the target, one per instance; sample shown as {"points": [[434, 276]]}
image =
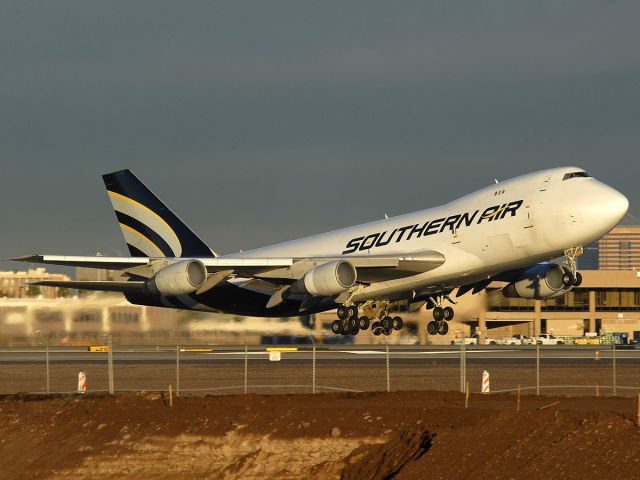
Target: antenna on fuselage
{"points": [[496, 180], [386, 216]]}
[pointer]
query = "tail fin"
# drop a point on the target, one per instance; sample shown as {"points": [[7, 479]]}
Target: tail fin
{"points": [[149, 227]]}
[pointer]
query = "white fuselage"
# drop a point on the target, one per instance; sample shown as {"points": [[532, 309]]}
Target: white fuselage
{"points": [[512, 224]]}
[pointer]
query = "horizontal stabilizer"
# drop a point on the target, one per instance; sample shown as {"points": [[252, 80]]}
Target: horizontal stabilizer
{"points": [[109, 263], [104, 286]]}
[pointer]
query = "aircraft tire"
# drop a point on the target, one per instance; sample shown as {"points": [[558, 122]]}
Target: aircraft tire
{"points": [[342, 312], [388, 331], [398, 323], [352, 312], [443, 328], [386, 322], [432, 328], [578, 280], [363, 323], [354, 330], [376, 328], [448, 313], [345, 327], [336, 327], [438, 313]]}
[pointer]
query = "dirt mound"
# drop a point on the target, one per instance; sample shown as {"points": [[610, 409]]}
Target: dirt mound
{"points": [[375, 435]]}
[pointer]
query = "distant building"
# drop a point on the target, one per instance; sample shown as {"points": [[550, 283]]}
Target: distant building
{"points": [[620, 249], [589, 259], [16, 284]]}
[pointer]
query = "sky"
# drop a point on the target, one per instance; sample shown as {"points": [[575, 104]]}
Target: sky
{"points": [[259, 122]]}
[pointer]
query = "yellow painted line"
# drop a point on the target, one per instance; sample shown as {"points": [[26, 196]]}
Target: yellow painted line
{"points": [[282, 349], [98, 348], [196, 349]]}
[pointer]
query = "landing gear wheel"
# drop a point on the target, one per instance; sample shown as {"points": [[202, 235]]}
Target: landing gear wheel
{"points": [[388, 331], [352, 311], [443, 328], [354, 330], [343, 313], [448, 313], [397, 323], [386, 322], [345, 327], [438, 313], [578, 280], [363, 323], [376, 328], [567, 279], [336, 327], [432, 328]]}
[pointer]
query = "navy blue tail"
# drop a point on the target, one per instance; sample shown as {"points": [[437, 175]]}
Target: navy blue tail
{"points": [[149, 227]]}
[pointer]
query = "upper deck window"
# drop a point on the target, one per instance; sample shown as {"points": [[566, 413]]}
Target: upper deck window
{"points": [[567, 176]]}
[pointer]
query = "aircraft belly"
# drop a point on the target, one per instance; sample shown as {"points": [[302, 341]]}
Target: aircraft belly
{"points": [[229, 299]]}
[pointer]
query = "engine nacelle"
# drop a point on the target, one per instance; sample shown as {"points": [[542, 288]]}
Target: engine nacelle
{"points": [[179, 278], [543, 281], [328, 279]]}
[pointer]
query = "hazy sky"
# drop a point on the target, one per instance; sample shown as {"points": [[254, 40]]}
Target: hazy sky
{"points": [[263, 121]]}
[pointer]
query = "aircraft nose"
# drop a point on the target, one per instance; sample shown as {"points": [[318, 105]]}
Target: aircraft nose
{"points": [[611, 204], [619, 205]]}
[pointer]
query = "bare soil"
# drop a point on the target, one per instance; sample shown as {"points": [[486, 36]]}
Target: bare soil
{"points": [[400, 435]]}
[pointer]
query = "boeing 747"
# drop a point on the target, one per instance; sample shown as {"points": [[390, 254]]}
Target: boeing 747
{"points": [[508, 231]]}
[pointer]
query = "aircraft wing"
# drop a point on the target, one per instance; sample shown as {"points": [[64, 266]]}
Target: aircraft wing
{"points": [[369, 268]]}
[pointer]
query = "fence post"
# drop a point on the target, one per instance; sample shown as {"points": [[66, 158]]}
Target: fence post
{"points": [[615, 385], [537, 368], [46, 349], [388, 377], [246, 358], [463, 364], [464, 370], [177, 370], [313, 371], [110, 363]]}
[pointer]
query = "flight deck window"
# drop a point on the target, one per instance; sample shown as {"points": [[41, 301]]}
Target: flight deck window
{"points": [[567, 176]]}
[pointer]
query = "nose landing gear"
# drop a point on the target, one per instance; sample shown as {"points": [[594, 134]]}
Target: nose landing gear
{"points": [[572, 278]]}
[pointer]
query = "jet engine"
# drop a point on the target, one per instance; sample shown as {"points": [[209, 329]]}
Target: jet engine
{"points": [[179, 278], [328, 279], [545, 280]]}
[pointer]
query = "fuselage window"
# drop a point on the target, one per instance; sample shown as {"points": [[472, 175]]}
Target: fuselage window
{"points": [[567, 176]]}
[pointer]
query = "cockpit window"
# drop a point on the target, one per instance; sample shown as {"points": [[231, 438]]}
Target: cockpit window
{"points": [[567, 176]]}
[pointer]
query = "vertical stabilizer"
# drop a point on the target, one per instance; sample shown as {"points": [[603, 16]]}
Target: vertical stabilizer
{"points": [[149, 227]]}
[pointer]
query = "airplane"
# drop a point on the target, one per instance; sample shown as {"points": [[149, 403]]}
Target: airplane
{"points": [[509, 231]]}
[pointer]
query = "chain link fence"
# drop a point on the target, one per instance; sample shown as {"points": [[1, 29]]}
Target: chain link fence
{"points": [[204, 370]]}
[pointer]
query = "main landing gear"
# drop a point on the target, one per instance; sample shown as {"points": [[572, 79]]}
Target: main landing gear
{"points": [[441, 315], [349, 323]]}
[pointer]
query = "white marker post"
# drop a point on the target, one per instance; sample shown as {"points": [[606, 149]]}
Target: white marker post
{"points": [[82, 382], [485, 382], [274, 356]]}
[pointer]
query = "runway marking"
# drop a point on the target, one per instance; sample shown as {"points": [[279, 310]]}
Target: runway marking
{"points": [[396, 352]]}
